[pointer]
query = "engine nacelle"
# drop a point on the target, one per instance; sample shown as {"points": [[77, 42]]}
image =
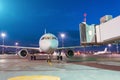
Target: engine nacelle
{"points": [[23, 53], [70, 53]]}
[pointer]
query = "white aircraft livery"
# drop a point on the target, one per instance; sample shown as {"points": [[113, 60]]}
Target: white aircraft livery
{"points": [[102, 52]]}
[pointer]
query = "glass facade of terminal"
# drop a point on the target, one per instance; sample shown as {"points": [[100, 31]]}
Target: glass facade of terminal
{"points": [[90, 33]]}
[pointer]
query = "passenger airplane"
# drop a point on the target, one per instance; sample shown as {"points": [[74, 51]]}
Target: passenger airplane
{"points": [[101, 52], [48, 43]]}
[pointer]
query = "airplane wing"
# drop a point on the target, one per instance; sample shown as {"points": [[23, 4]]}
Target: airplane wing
{"points": [[35, 48]]}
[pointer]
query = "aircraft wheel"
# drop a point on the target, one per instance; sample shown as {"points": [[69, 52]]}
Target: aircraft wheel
{"points": [[61, 58]]}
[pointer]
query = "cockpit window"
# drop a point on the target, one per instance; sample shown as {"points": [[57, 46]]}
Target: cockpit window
{"points": [[49, 38], [53, 38]]}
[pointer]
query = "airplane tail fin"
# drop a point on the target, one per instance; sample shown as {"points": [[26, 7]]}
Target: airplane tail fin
{"points": [[105, 50], [45, 31]]}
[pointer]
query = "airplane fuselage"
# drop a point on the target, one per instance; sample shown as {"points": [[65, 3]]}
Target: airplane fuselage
{"points": [[48, 43]]}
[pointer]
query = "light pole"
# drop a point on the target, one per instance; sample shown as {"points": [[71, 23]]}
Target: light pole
{"points": [[62, 36], [3, 35], [16, 44], [109, 45], [117, 47]]}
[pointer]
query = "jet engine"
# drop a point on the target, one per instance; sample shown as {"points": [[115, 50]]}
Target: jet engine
{"points": [[23, 53], [70, 53]]}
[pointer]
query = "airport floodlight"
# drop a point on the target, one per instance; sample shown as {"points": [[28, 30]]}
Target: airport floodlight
{"points": [[109, 45], [3, 35], [62, 35], [16, 43]]}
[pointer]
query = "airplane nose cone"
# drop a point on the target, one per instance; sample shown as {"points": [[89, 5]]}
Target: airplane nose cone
{"points": [[47, 45]]}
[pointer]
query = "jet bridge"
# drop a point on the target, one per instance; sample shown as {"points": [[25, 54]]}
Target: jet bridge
{"points": [[107, 32]]}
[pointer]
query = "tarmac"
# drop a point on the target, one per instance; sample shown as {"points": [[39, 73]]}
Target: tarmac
{"points": [[15, 67]]}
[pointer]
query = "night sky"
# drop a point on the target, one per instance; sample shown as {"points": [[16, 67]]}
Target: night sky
{"points": [[24, 21]]}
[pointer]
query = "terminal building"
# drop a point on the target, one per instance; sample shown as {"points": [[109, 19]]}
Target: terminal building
{"points": [[108, 31]]}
